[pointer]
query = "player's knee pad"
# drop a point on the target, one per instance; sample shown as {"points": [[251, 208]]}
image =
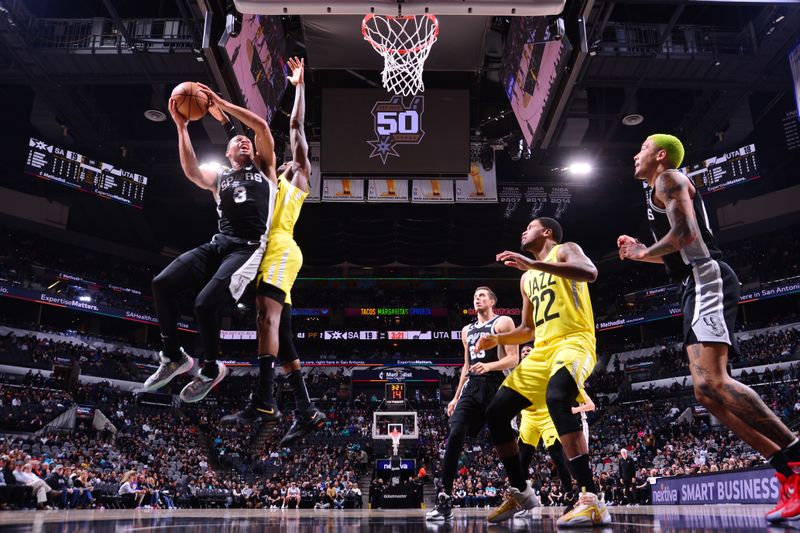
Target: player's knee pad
{"points": [[286, 351], [561, 394]]}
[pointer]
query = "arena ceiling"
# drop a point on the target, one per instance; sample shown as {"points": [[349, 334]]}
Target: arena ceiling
{"points": [[714, 73]]}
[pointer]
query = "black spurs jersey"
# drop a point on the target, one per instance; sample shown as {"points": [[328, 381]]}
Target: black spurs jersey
{"points": [[474, 332], [679, 264], [245, 202]]}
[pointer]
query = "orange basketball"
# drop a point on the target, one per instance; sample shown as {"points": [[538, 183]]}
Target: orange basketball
{"points": [[191, 102]]}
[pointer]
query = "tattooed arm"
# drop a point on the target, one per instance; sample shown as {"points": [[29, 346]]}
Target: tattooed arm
{"points": [[671, 189]]}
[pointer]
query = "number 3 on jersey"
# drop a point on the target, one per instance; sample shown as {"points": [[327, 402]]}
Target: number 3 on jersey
{"points": [[239, 194]]}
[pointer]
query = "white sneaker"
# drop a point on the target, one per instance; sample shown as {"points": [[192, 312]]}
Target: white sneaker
{"points": [[516, 501], [200, 386], [167, 370], [524, 513], [589, 512]]}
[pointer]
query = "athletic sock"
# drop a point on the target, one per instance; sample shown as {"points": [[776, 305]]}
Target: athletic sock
{"points": [[266, 379], [583, 473], [792, 451], [514, 472], [780, 463], [170, 348], [557, 455], [301, 399]]}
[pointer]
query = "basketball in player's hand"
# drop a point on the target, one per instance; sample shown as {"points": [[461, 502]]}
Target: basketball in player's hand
{"points": [[190, 100]]}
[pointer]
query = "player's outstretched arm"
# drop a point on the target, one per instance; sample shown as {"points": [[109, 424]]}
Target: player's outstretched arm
{"points": [[572, 263], [264, 142], [672, 189], [523, 333], [628, 244], [203, 178], [585, 407], [301, 166]]}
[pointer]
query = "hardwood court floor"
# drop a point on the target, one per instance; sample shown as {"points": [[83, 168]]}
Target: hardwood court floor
{"points": [[676, 518]]}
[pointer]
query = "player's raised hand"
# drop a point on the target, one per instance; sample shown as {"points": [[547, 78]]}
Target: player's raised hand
{"points": [[179, 119], [516, 260], [297, 66], [214, 100], [625, 239], [632, 250]]}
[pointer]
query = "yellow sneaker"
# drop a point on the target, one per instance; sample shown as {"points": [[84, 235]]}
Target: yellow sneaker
{"points": [[589, 512], [516, 501]]}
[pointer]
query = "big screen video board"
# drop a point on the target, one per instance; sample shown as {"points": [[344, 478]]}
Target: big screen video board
{"points": [[75, 170], [257, 57], [533, 61], [370, 133]]}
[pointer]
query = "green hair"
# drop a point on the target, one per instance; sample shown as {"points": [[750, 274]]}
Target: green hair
{"points": [[670, 144]]}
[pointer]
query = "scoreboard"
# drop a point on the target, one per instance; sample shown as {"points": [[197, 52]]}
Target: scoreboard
{"points": [[395, 393], [724, 171], [78, 171]]}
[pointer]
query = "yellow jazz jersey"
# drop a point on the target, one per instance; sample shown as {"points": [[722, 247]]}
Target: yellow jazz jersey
{"points": [[283, 259], [561, 307]]}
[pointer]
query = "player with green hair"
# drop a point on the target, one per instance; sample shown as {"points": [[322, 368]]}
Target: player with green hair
{"points": [[671, 145], [710, 292]]}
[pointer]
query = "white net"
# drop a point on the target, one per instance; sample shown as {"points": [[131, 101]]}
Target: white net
{"points": [[395, 435], [404, 43]]}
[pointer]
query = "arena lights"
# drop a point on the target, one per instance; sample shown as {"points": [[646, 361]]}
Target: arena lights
{"points": [[84, 298], [579, 169], [211, 165]]}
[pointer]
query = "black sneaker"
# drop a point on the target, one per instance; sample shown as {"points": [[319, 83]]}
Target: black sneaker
{"points": [[254, 412], [443, 510], [305, 422]]}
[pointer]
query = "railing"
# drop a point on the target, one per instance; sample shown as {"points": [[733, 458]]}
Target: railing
{"points": [[645, 40], [99, 34]]}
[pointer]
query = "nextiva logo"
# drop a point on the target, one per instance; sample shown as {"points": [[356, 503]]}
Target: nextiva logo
{"points": [[663, 494]]}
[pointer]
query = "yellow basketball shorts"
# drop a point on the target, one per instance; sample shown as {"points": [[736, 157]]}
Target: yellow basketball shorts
{"points": [[575, 352], [280, 265], [537, 425]]}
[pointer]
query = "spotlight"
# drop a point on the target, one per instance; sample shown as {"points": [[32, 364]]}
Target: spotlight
{"points": [[579, 169], [85, 298], [211, 165]]}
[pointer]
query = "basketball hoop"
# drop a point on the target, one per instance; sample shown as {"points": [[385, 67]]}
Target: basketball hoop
{"points": [[404, 42], [395, 435]]}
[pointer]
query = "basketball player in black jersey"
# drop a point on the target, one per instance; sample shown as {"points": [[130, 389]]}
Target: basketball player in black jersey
{"points": [[218, 271], [710, 296], [481, 376]]}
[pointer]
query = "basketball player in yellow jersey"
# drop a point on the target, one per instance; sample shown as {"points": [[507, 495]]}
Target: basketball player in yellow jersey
{"points": [[276, 276], [557, 313]]}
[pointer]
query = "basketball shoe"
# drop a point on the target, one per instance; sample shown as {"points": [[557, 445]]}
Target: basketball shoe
{"points": [[788, 507], [168, 369], [254, 411], [201, 385], [442, 511], [305, 422], [516, 501], [589, 512]]}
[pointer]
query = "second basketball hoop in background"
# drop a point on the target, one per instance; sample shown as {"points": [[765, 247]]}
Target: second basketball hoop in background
{"points": [[404, 42]]}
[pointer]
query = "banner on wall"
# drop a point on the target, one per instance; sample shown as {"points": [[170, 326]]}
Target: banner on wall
{"points": [[534, 201], [387, 190], [744, 486], [481, 184], [343, 190], [315, 184], [432, 192]]}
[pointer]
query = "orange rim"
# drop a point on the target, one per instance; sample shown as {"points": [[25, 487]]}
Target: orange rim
{"points": [[384, 50]]}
